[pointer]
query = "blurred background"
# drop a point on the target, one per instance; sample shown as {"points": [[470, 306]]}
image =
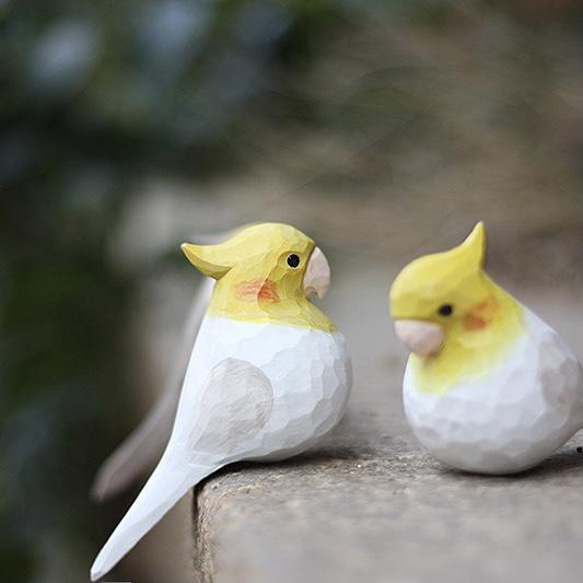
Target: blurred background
{"points": [[383, 128]]}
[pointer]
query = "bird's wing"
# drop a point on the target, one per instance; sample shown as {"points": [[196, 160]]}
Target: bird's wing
{"points": [[236, 403], [144, 446]]}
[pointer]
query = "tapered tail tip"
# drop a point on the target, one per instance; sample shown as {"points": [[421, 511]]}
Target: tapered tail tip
{"points": [[100, 568], [96, 573]]}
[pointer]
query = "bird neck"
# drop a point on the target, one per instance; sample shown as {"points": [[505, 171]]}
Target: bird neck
{"points": [[263, 301], [475, 344]]}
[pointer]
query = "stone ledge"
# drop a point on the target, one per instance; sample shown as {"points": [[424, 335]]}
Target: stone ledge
{"points": [[402, 519]]}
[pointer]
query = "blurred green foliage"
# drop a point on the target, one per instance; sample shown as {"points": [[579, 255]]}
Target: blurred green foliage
{"points": [[130, 84], [94, 96]]}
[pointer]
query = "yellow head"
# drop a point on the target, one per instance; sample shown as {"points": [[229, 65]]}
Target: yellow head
{"points": [[265, 273], [446, 308]]}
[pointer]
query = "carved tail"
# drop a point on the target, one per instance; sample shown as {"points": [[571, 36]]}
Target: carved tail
{"points": [[170, 481]]}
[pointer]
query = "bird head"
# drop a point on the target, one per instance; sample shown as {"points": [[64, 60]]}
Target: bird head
{"points": [[443, 295], [265, 263]]}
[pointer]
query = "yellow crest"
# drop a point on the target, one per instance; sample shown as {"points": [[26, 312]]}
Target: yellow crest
{"points": [[439, 279]]}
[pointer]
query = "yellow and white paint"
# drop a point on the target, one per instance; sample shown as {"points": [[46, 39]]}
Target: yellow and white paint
{"points": [[489, 387], [268, 376], [486, 322]]}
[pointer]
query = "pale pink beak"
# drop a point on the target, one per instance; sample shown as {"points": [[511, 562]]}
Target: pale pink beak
{"points": [[421, 338], [317, 276]]}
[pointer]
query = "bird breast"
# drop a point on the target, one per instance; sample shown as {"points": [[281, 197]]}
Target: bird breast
{"points": [[516, 415], [308, 371]]}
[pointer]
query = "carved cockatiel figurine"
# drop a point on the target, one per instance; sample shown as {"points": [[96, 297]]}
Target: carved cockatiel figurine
{"points": [[268, 376], [489, 387]]}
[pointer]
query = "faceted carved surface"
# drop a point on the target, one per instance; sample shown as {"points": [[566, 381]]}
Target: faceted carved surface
{"points": [[510, 420], [497, 391], [308, 371]]}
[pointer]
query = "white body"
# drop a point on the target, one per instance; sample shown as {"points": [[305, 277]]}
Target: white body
{"points": [[510, 419], [310, 375]]}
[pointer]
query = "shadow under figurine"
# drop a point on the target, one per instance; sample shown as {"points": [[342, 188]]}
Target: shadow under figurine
{"points": [[268, 376], [489, 387]]}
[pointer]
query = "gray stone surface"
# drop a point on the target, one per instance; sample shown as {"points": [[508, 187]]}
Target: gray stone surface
{"points": [[370, 505]]}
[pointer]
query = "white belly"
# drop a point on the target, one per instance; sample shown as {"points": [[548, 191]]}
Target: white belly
{"points": [[309, 371], [509, 420]]}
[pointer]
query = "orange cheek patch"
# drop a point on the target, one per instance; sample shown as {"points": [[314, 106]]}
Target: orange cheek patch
{"points": [[258, 289], [473, 323], [481, 315]]}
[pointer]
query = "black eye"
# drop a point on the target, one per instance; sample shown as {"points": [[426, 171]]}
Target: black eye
{"points": [[293, 260], [445, 310]]}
